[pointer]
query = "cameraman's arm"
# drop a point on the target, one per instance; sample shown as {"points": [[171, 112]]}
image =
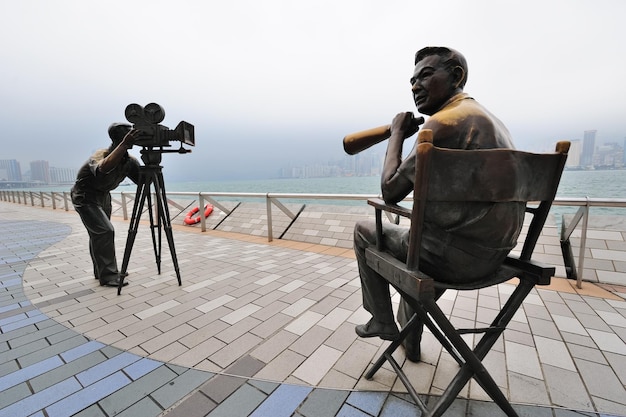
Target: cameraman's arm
{"points": [[109, 163]]}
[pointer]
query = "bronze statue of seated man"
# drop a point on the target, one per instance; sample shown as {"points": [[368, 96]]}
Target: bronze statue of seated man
{"points": [[461, 242]]}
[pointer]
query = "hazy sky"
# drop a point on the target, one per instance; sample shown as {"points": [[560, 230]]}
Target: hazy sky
{"points": [[271, 82]]}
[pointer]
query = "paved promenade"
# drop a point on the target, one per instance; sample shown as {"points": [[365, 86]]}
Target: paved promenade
{"points": [[265, 329]]}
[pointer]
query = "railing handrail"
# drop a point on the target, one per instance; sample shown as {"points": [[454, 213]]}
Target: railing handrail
{"points": [[273, 199]]}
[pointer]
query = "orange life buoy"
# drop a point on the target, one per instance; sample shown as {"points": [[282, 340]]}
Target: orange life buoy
{"points": [[191, 218]]}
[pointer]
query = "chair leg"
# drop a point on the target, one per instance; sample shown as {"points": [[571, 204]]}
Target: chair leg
{"points": [[392, 347], [473, 367]]}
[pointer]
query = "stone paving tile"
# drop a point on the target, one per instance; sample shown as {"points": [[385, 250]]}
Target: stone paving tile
{"points": [[334, 306]]}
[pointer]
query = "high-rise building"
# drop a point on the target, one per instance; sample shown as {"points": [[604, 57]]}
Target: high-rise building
{"points": [[10, 170], [573, 156], [62, 175], [589, 147], [40, 171]]}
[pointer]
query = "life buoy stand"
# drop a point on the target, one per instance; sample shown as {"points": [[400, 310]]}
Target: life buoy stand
{"points": [[191, 217]]}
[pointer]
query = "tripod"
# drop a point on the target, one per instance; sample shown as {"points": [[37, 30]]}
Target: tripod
{"points": [[150, 175]]}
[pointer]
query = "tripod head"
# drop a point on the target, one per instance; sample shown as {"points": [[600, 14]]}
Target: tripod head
{"points": [[152, 157]]}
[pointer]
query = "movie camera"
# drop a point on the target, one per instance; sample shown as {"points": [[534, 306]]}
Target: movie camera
{"points": [[152, 134]]}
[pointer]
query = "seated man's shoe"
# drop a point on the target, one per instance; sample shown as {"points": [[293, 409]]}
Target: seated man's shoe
{"points": [[411, 351], [373, 328], [113, 283]]}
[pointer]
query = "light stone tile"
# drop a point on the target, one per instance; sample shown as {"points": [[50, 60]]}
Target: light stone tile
{"points": [[567, 389], [337, 282], [306, 259], [241, 313], [281, 366], [447, 368], [609, 342], [533, 299], [317, 365], [569, 324], [360, 316], [48, 297], [326, 270], [524, 389], [610, 255], [357, 358], [303, 323], [213, 304], [199, 285], [334, 379], [298, 307], [601, 381], [321, 265], [226, 275], [268, 279], [617, 304], [618, 278], [523, 360], [609, 408], [554, 352], [520, 316], [157, 309], [274, 346], [335, 318], [613, 319], [233, 351], [293, 285]]}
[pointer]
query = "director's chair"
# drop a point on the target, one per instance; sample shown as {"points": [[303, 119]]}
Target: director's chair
{"points": [[453, 175]]}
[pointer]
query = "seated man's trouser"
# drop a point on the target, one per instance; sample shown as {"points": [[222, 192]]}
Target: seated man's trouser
{"points": [[95, 212], [439, 258]]}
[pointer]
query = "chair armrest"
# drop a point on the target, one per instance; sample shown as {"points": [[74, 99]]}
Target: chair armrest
{"points": [[542, 272], [415, 284], [380, 204]]}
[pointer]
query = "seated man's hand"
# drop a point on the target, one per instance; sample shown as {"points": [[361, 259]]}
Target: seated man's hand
{"points": [[406, 124]]}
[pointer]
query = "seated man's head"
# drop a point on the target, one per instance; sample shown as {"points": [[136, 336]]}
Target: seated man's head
{"points": [[439, 74]]}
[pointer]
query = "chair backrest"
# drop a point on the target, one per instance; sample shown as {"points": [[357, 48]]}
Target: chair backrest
{"points": [[484, 175]]}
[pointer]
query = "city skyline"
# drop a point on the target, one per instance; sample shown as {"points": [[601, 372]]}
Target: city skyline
{"points": [[584, 154]]}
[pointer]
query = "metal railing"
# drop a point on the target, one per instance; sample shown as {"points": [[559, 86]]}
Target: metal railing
{"points": [[58, 200], [582, 214]]}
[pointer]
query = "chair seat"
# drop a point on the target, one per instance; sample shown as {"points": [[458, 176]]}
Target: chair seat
{"points": [[512, 267]]}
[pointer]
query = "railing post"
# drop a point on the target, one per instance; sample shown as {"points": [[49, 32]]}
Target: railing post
{"points": [[583, 242], [201, 212], [54, 200], [65, 199], [268, 204], [124, 210]]}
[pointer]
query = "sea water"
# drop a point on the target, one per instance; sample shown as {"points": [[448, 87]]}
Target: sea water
{"points": [[596, 184], [609, 184]]}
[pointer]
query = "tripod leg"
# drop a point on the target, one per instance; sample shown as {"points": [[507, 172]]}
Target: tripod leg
{"points": [[157, 249], [164, 216], [143, 187]]}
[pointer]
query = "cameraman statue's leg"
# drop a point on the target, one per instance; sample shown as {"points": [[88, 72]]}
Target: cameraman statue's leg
{"points": [[376, 293], [101, 241]]}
